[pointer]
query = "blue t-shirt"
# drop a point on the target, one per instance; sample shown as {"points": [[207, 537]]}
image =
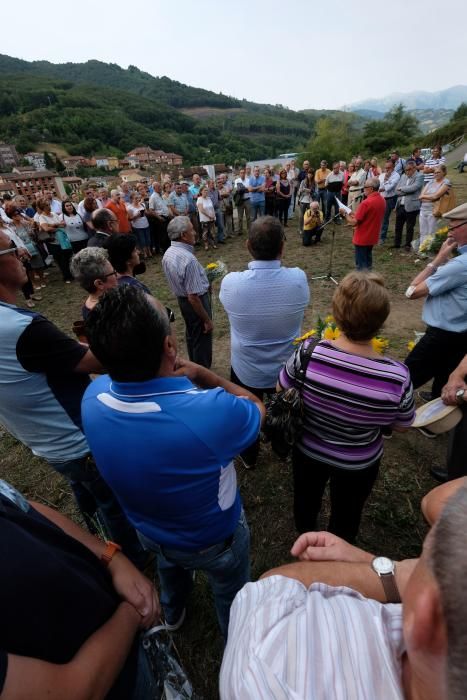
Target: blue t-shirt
{"points": [[257, 197], [166, 449]]}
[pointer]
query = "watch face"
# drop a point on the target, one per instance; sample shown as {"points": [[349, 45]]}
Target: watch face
{"points": [[383, 565]]}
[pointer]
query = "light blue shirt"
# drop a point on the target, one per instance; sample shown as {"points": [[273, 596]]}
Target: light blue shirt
{"points": [[446, 304], [257, 197], [265, 305], [388, 188], [184, 274]]}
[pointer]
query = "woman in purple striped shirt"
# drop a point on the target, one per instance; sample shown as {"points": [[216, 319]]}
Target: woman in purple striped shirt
{"points": [[351, 393]]}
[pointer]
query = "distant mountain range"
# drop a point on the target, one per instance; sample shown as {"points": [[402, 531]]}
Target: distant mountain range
{"points": [[450, 98]]}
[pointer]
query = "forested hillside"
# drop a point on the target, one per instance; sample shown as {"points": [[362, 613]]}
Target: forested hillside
{"points": [[98, 107]]}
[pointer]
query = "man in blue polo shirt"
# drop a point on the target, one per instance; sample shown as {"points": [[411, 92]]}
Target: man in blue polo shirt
{"points": [[164, 433], [257, 196]]}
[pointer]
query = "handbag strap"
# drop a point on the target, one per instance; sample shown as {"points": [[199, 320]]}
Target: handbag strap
{"points": [[305, 357]]}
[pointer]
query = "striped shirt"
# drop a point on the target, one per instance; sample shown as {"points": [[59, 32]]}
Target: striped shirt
{"points": [[432, 163], [348, 398], [184, 274], [322, 643]]}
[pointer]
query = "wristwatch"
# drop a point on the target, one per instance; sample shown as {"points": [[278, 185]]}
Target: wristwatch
{"points": [[385, 568], [111, 548], [460, 394]]}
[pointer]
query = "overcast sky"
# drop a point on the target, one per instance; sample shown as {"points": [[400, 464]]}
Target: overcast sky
{"points": [[300, 53]]}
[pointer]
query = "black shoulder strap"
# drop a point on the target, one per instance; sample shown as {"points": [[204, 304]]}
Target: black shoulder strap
{"points": [[305, 357]]}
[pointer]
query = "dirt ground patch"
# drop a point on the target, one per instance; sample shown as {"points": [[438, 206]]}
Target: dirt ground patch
{"points": [[391, 525]]}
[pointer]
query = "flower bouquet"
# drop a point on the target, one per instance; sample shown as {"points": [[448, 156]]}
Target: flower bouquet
{"points": [[433, 243], [326, 329], [215, 271]]}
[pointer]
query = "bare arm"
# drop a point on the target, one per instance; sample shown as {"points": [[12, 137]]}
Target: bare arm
{"points": [[418, 287], [435, 500], [206, 379], [88, 676], [127, 580], [89, 364], [456, 381], [437, 195]]}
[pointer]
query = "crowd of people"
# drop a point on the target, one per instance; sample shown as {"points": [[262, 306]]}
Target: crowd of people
{"points": [[152, 443]]}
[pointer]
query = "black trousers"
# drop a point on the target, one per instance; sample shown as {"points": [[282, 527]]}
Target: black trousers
{"points": [[250, 455], [457, 448], [282, 209], [198, 343], [62, 258], [349, 490], [435, 356], [408, 218]]}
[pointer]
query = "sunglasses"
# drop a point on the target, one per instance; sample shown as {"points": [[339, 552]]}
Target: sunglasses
{"points": [[12, 248]]}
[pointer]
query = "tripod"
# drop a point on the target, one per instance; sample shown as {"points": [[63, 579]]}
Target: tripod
{"points": [[328, 275]]}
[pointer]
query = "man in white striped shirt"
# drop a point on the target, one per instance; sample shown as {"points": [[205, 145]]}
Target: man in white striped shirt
{"points": [[188, 282], [431, 163], [299, 633]]}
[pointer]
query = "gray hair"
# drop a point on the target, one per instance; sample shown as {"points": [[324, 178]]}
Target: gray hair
{"points": [[373, 182], [89, 265], [448, 561], [101, 217], [178, 227]]}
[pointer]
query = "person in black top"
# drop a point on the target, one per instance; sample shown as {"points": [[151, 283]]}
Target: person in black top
{"points": [[71, 607]]}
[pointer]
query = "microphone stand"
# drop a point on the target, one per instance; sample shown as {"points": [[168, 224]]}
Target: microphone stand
{"points": [[329, 274]]}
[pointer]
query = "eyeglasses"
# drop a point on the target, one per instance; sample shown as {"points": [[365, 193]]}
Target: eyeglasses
{"points": [[451, 228], [12, 248], [109, 274]]}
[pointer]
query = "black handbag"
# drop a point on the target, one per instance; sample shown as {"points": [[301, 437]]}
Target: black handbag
{"points": [[284, 409]]}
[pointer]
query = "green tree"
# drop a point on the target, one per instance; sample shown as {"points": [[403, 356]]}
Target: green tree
{"points": [[398, 129], [336, 138]]}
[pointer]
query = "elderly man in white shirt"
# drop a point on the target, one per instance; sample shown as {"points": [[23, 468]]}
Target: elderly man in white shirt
{"points": [[330, 627], [388, 189], [265, 305]]}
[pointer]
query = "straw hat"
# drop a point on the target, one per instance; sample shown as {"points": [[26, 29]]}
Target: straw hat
{"points": [[437, 417]]}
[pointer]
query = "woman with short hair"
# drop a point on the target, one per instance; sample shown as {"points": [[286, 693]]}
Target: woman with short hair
{"points": [[94, 273], [283, 197], [350, 393], [433, 190], [124, 257], [52, 228]]}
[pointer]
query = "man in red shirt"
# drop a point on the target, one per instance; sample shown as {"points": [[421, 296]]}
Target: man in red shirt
{"points": [[117, 205], [367, 222]]}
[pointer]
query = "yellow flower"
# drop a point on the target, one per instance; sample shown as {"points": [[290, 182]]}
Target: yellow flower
{"points": [[212, 266], [442, 231], [380, 344], [331, 333], [329, 319], [410, 345], [426, 244], [305, 336]]}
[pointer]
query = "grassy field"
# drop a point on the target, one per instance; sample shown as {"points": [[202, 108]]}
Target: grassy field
{"points": [[391, 524]]}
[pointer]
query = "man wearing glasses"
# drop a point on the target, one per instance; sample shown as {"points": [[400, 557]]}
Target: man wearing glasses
{"points": [[105, 224], [367, 223], [43, 376], [117, 206]]}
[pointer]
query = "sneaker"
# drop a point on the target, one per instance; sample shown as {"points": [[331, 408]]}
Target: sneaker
{"points": [[176, 625], [244, 463], [427, 433], [424, 396]]}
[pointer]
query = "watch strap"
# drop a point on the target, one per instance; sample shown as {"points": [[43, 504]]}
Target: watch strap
{"points": [[111, 548], [390, 588]]}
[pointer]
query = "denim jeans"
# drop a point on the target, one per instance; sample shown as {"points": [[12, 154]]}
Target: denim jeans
{"points": [[145, 683], [219, 225], [390, 204], [363, 257], [92, 493], [257, 209], [322, 198], [331, 202], [226, 564]]}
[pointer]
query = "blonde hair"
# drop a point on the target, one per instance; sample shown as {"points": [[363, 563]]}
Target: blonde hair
{"points": [[361, 305]]}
